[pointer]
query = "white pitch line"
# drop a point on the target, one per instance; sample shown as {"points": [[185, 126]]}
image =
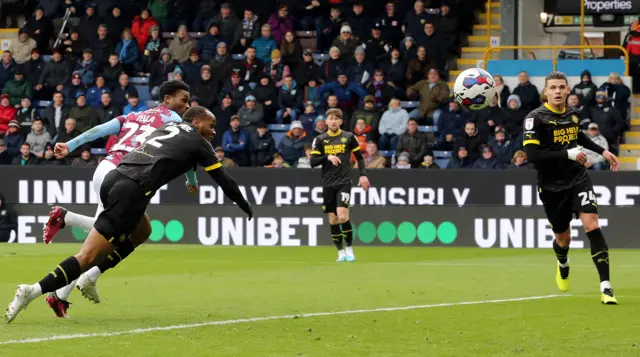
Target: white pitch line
{"points": [[266, 318]]}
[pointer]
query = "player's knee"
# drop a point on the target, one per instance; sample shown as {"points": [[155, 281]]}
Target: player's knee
{"points": [[563, 238], [343, 218], [590, 225], [86, 258]]}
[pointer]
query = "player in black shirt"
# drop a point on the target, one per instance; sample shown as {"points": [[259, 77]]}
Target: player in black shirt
{"points": [[333, 151], [552, 138], [168, 152]]}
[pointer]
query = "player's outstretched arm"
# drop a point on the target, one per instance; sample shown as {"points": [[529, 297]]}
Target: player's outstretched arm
{"points": [[587, 143], [192, 181], [109, 128], [230, 189]]}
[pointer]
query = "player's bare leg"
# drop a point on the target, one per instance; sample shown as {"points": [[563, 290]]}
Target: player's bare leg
{"points": [[347, 233], [561, 248], [95, 248], [600, 255]]}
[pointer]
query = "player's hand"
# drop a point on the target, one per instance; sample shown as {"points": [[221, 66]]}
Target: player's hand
{"points": [[334, 160], [249, 211], [581, 158], [191, 189], [364, 182], [613, 160], [61, 150]]}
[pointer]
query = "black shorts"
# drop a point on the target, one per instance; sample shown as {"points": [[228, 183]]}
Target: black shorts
{"points": [[335, 196], [561, 206], [125, 203]]}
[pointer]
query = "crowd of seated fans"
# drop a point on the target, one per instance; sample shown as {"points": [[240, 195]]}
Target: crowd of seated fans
{"points": [[243, 61]]}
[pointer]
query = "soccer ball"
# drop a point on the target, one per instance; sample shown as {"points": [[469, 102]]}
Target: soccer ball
{"points": [[474, 88]]}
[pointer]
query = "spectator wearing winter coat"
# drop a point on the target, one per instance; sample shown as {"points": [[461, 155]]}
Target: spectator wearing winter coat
{"points": [[415, 19], [85, 159], [33, 68], [345, 91], [250, 68], [437, 50], [266, 94], [414, 143], [502, 90], [18, 88], [487, 119], [76, 86], [281, 22], [251, 114], [289, 101], [375, 46], [181, 45], [359, 71], [487, 161], [333, 66], [128, 52], [514, 115], [228, 23], [160, 72], [115, 21], [48, 158], [208, 44], [141, 27], [408, 49], [308, 117], [363, 133], [74, 45], [586, 89], [306, 70], [263, 146], [152, 50], [277, 70], [221, 64], [26, 157], [206, 88], [21, 49], [234, 142], [452, 121], [56, 113], [103, 46], [248, 30], [112, 72], [94, 93], [393, 123], [372, 157], [119, 95], [419, 67], [13, 139], [470, 140], [7, 68], [161, 12], [359, 21], [192, 67], [391, 24], [520, 161], [206, 11], [89, 22], [38, 138], [40, 27], [7, 113], [292, 145], [346, 43], [264, 45], [381, 89], [107, 111], [328, 29], [305, 161], [461, 160], [394, 69], [312, 92], [27, 114], [56, 74], [223, 112], [69, 132], [527, 92], [237, 89], [428, 163], [618, 94], [86, 118], [225, 161], [502, 147], [291, 50], [135, 104], [433, 92], [87, 68], [608, 118], [370, 114]]}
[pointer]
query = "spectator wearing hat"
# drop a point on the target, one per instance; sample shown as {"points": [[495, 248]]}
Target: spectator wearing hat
{"points": [[328, 29], [234, 142], [106, 110], [312, 92], [334, 65], [206, 88], [5, 159], [7, 69], [135, 104], [264, 45], [177, 74], [292, 145], [237, 89], [319, 127], [21, 48], [291, 50], [225, 161], [85, 159], [41, 29], [160, 72], [502, 147], [74, 45], [223, 112], [33, 68], [308, 116], [376, 48], [370, 114], [596, 161], [228, 23], [393, 123], [248, 30], [307, 69], [359, 70], [89, 22], [404, 161], [13, 139], [38, 138], [289, 101], [408, 49], [103, 46], [345, 91], [76, 87], [86, 118], [513, 116], [433, 92], [141, 27], [160, 11], [26, 113], [346, 43], [608, 118], [222, 63], [586, 89], [487, 160], [87, 68], [251, 114], [7, 112], [56, 113], [428, 162], [114, 20], [119, 94], [112, 72], [266, 94], [48, 157], [208, 44], [25, 157], [191, 68], [391, 24], [460, 159], [181, 45], [277, 70], [18, 88], [56, 74], [95, 92], [263, 146], [281, 22], [128, 53], [414, 143], [152, 50]]}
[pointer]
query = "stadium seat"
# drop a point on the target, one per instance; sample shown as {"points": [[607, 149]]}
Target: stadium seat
{"points": [[277, 137], [237, 57], [387, 153], [442, 163], [139, 80], [143, 92], [152, 103], [98, 151], [442, 154], [42, 103], [410, 104], [427, 129], [279, 127]]}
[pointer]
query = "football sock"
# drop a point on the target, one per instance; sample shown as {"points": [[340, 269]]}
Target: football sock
{"points": [[561, 253], [62, 275], [79, 220], [599, 253], [336, 235], [123, 251], [347, 233], [64, 292]]}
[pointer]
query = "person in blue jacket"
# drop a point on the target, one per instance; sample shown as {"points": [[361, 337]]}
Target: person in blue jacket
{"points": [[345, 91], [234, 142]]}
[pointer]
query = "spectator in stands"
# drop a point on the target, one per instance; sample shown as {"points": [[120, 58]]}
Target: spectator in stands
{"points": [[514, 115], [128, 53], [447, 25], [372, 157], [69, 132], [345, 42], [520, 161], [320, 127], [487, 161], [408, 49], [17, 88], [414, 20], [403, 161], [277, 70], [265, 44], [13, 139], [333, 65], [461, 160], [205, 88], [305, 161], [41, 29], [89, 22], [345, 91], [376, 48], [238, 90], [312, 92], [278, 162], [251, 115], [292, 145], [161, 12], [103, 46], [309, 116], [85, 159], [251, 67], [502, 147], [247, 31], [328, 29], [87, 68], [141, 27], [7, 69], [381, 89], [308, 15], [414, 143], [289, 101], [360, 71], [21, 48], [151, 53], [586, 89], [437, 51], [26, 114], [223, 113], [359, 21], [95, 92], [471, 140], [75, 87], [107, 111], [119, 95], [160, 72], [228, 23], [7, 112], [55, 76], [370, 114], [395, 70], [26, 157], [502, 90], [115, 22], [33, 68], [177, 74], [48, 157], [192, 68], [112, 72], [281, 22], [393, 123], [527, 92], [419, 67], [135, 104], [573, 102], [86, 118], [225, 161], [74, 46], [428, 163], [487, 119], [432, 92], [56, 114], [266, 94], [618, 94], [207, 45], [181, 45], [222, 63], [363, 133], [596, 161], [608, 119], [234, 142], [307, 70], [452, 120], [391, 24], [291, 50], [263, 146], [205, 12], [38, 138]]}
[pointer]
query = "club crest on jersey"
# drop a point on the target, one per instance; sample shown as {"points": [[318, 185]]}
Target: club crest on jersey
{"points": [[575, 119], [528, 123], [343, 140]]}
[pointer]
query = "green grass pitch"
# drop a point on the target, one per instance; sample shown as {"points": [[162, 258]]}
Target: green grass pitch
{"points": [[176, 285]]}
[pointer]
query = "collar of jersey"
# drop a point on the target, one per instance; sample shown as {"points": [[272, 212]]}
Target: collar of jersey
{"points": [[336, 134], [546, 105]]}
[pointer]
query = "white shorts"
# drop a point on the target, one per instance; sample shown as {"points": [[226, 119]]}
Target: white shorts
{"points": [[102, 170]]}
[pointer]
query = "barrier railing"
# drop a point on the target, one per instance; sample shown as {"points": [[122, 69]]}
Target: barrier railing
{"points": [[555, 49]]}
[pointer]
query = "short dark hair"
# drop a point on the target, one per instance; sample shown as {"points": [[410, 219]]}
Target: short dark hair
{"points": [[193, 113], [23, 144], [555, 75], [413, 119], [172, 87]]}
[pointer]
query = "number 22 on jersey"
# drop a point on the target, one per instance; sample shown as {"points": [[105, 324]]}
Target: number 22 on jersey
{"points": [[135, 132]]}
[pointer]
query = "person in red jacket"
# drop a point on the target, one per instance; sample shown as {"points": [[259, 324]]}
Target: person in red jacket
{"points": [[7, 113], [141, 27]]}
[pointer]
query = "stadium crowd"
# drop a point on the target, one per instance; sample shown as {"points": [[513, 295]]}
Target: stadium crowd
{"points": [[243, 60]]}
